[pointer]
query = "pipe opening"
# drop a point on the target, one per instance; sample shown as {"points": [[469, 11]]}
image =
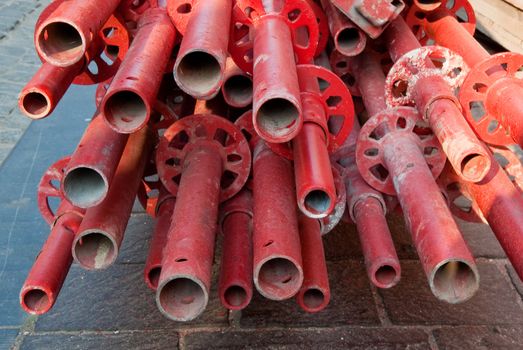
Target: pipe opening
{"points": [[154, 276], [317, 202], [348, 41], [235, 296], [427, 5], [238, 90], [313, 298], [95, 250], [279, 278], [125, 110], [182, 299], [475, 167], [84, 187], [35, 104], [37, 301], [61, 42], [275, 116], [199, 72], [385, 275], [454, 282]]}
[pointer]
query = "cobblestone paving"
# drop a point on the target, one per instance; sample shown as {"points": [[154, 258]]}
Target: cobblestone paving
{"points": [[18, 62]]}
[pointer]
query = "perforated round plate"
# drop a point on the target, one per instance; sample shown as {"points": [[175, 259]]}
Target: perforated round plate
{"points": [[330, 221], [419, 63], [49, 188], [475, 90], [298, 15], [186, 133], [370, 151], [180, 11]]}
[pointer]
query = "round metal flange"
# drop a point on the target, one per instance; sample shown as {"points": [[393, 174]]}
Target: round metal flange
{"points": [[511, 163], [417, 18], [131, 10], [330, 221], [110, 47], [187, 134], [150, 189], [337, 103], [49, 188], [420, 63], [399, 121], [480, 82], [341, 66], [244, 123], [298, 15], [180, 11], [460, 201], [323, 27]]}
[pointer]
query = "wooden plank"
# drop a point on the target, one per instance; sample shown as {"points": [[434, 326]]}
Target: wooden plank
{"points": [[501, 20]]}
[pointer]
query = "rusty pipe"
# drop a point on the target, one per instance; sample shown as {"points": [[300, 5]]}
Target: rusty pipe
{"points": [[235, 281], [97, 243], [41, 94], [47, 275], [277, 262], [128, 103], [93, 164], [277, 113], [65, 35], [237, 86], [436, 102], [314, 294], [200, 64]]}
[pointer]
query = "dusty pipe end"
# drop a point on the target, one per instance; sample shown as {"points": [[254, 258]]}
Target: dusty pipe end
{"points": [[36, 300], [236, 296], [126, 111], [350, 41], [237, 91], [454, 281], [475, 166], [313, 299], [427, 5], [278, 278], [182, 298], [94, 250], [317, 203], [199, 74], [61, 43], [152, 276], [85, 187], [385, 274], [34, 103], [278, 120]]}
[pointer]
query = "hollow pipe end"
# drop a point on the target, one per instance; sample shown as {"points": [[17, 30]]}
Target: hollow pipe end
{"points": [[454, 280], [278, 277], [36, 300], [125, 111], [474, 167], [385, 273], [84, 186], [60, 42], [277, 120], [94, 249], [350, 41], [236, 295], [34, 103], [182, 297], [237, 90], [151, 275], [317, 203], [199, 73], [427, 5], [313, 298]]}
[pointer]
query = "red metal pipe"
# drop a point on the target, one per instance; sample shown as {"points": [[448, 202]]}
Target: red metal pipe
{"points": [[200, 65], [153, 264], [314, 294], [235, 282], [42, 93], [278, 272], [436, 103], [237, 86], [93, 164], [183, 288], [277, 113], [349, 40], [427, 5], [46, 277], [98, 240], [502, 206], [128, 103], [63, 38]]}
